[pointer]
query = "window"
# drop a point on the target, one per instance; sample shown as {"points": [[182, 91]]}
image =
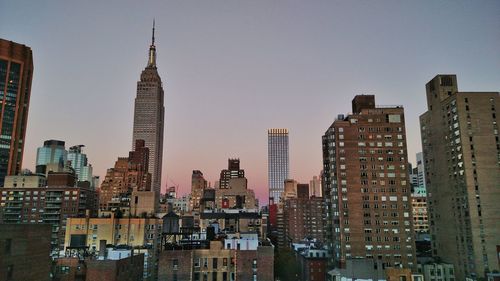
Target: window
{"points": [[10, 272], [8, 246], [214, 263], [175, 264]]}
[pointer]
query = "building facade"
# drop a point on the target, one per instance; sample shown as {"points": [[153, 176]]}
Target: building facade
{"points": [[366, 185], [16, 73], [149, 117], [461, 149], [25, 252], [233, 171], [218, 262], [52, 204], [278, 164]]}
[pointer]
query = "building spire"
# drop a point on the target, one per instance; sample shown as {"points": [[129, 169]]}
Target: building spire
{"points": [[152, 49], [153, 37]]}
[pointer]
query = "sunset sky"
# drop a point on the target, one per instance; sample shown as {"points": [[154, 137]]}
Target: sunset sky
{"points": [[233, 69]]}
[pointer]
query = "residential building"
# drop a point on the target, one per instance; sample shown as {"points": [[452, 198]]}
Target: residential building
{"points": [[52, 204], [303, 217], [235, 195], [128, 184], [233, 171], [313, 261], [25, 180], [149, 118], [461, 150], [366, 186], [437, 271], [16, 73], [198, 185], [25, 252], [143, 234], [227, 260], [315, 187], [117, 264], [419, 211], [278, 164]]}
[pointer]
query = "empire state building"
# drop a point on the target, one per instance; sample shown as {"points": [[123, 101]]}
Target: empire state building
{"points": [[149, 117]]}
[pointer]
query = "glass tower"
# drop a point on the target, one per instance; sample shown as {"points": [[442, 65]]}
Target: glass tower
{"points": [[277, 161], [52, 152], [16, 70]]}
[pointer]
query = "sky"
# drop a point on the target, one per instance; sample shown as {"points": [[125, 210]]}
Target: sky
{"points": [[233, 69]]}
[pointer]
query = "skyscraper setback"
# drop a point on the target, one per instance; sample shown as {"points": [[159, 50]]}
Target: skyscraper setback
{"points": [[16, 72], [277, 161], [461, 150], [149, 117]]}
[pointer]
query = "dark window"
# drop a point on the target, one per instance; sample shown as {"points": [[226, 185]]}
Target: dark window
{"points": [[8, 246], [10, 272], [224, 262], [214, 276], [214, 263]]}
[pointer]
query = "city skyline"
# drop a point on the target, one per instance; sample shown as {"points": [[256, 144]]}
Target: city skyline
{"points": [[318, 64]]}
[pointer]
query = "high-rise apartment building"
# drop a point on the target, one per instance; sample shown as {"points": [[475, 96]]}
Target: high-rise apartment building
{"points": [[303, 217], [366, 186], [16, 72], [52, 204], [461, 149], [149, 117], [233, 171], [277, 161]]}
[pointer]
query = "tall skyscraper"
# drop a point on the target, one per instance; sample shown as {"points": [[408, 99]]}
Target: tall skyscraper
{"points": [[16, 72], [366, 186], [277, 161], [149, 116], [461, 150]]}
